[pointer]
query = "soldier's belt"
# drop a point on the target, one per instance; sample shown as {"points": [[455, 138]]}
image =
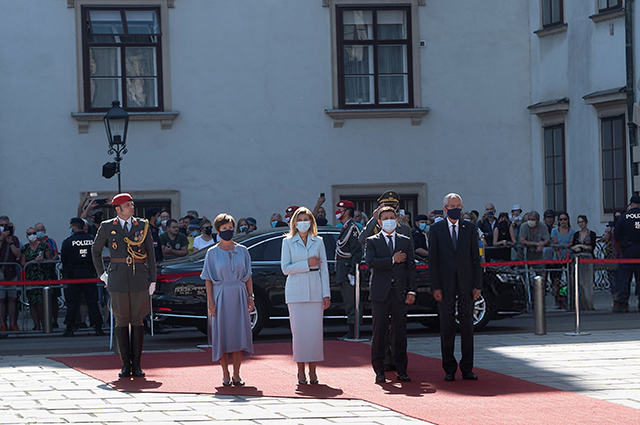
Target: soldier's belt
{"points": [[128, 260]]}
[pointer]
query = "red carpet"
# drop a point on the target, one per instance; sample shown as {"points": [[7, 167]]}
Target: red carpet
{"points": [[346, 373]]}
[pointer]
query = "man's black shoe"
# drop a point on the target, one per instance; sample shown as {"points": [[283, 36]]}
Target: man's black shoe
{"points": [[68, 331], [99, 331], [403, 377], [350, 335], [469, 376], [380, 378], [450, 377]]}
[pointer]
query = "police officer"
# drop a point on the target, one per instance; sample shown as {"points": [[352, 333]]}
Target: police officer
{"points": [[78, 264], [627, 232], [130, 278], [348, 257]]}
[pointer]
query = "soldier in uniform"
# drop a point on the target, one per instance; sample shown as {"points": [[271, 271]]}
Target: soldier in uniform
{"points": [[130, 280], [77, 263], [627, 231], [387, 199], [348, 257]]}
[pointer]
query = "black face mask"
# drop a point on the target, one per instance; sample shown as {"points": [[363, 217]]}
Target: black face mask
{"points": [[504, 226], [226, 235], [207, 231]]}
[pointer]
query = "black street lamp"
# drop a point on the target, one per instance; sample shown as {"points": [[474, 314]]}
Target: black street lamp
{"points": [[116, 122]]}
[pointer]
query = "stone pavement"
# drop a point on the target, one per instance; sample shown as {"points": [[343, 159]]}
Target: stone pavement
{"points": [[34, 389]]}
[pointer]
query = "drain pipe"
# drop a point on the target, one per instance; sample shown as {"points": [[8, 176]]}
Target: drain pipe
{"points": [[628, 22]]}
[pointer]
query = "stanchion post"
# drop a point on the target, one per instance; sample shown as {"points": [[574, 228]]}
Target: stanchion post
{"points": [[356, 326], [539, 312], [577, 301], [358, 313], [47, 324]]}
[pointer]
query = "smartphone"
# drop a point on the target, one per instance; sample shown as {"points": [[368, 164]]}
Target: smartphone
{"points": [[401, 212], [101, 201], [438, 212], [322, 194], [93, 194]]}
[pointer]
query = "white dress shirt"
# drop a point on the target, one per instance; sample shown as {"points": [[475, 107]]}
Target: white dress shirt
{"points": [[122, 222], [451, 226]]}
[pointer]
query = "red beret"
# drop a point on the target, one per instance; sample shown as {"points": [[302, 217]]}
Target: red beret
{"points": [[345, 204], [121, 198], [292, 209]]}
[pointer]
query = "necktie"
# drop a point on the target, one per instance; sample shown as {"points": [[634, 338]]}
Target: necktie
{"points": [[126, 227], [390, 243], [454, 236]]}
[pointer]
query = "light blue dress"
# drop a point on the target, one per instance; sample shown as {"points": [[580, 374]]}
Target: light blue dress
{"points": [[231, 326], [563, 241]]}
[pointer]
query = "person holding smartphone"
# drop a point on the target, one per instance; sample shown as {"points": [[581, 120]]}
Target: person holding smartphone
{"points": [[33, 254]]}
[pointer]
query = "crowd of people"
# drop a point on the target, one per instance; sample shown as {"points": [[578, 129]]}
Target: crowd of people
{"points": [[388, 242]]}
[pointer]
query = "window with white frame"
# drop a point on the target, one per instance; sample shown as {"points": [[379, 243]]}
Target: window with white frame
{"points": [[122, 58], [374, 57]]}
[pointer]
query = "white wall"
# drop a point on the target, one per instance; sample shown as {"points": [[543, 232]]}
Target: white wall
{"points": [[251, 80]]}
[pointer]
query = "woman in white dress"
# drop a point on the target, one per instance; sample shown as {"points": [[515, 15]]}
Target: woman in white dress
{"points": [[304, 262]]}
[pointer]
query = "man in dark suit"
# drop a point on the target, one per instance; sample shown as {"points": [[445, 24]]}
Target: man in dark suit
{"points": [[391, 259], [456, 277], [130, 279]]}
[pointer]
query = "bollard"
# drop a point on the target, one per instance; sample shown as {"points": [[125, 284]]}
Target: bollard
{"points": [[47, 321], [577, 301], [539, 315]]}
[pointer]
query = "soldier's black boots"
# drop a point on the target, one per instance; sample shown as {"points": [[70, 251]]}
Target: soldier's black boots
{"points": [[137, 334], [122, 340]]}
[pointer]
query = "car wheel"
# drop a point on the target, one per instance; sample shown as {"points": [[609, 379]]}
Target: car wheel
{"points": [[481, 313], [258, 316]]}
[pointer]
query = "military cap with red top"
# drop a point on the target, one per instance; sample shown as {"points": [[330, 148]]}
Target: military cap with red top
{"points": [[120, 199], [345, 204], [291, 209]]}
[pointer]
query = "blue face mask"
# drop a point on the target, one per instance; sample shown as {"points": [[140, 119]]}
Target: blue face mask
{"points": [[454, 213], [158, 222], [273, 223], [244, 228], [40, 235], [424, 227], [194, 233], [71, 231]]}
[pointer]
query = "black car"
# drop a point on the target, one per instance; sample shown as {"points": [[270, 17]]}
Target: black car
{"points": [[180, 297]]}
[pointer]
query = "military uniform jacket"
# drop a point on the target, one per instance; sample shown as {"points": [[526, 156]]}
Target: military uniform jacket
{"points": [[348, 251], [125, 277], [76, 256]]}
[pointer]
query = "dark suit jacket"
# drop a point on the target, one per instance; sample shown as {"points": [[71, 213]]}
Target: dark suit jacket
{"points": [[447, 262], [379, 258], [121, 276]]}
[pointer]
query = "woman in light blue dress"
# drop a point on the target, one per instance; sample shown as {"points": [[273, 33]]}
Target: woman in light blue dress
{"points": [[561, 237], [227, 273]]}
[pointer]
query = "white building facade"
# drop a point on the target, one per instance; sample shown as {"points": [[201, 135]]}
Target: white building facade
{"points": [[248, 107]]}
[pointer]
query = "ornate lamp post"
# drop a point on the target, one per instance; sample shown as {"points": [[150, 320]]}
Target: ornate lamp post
{"points": [[116, 123]]}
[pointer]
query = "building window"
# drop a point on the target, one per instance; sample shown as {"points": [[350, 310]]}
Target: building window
{"points": [[374, 57], [552, 13], [607, 5], [122, 58], [368, 203], [614, 168], [554, 167]]}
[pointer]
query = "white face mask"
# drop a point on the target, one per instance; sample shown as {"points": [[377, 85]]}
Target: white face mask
{"points": [[532, 223], [164, 223], [303, 226], [389, 225], [32, 238]]}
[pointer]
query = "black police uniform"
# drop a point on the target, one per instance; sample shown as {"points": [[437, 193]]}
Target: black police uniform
{"points": [[627, 231], [348, 257], [157, 248], [77, 263]]}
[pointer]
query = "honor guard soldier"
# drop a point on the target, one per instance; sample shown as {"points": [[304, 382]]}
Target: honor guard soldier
{"points": [[77, 263], [130, 279], [348, 257], [627, 231], [387, 199]]}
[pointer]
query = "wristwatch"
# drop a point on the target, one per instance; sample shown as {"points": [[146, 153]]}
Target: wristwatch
{"points": [[252, 295]]}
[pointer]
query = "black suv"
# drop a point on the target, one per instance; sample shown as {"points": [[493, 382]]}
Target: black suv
{"points": [[180, 297]]}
